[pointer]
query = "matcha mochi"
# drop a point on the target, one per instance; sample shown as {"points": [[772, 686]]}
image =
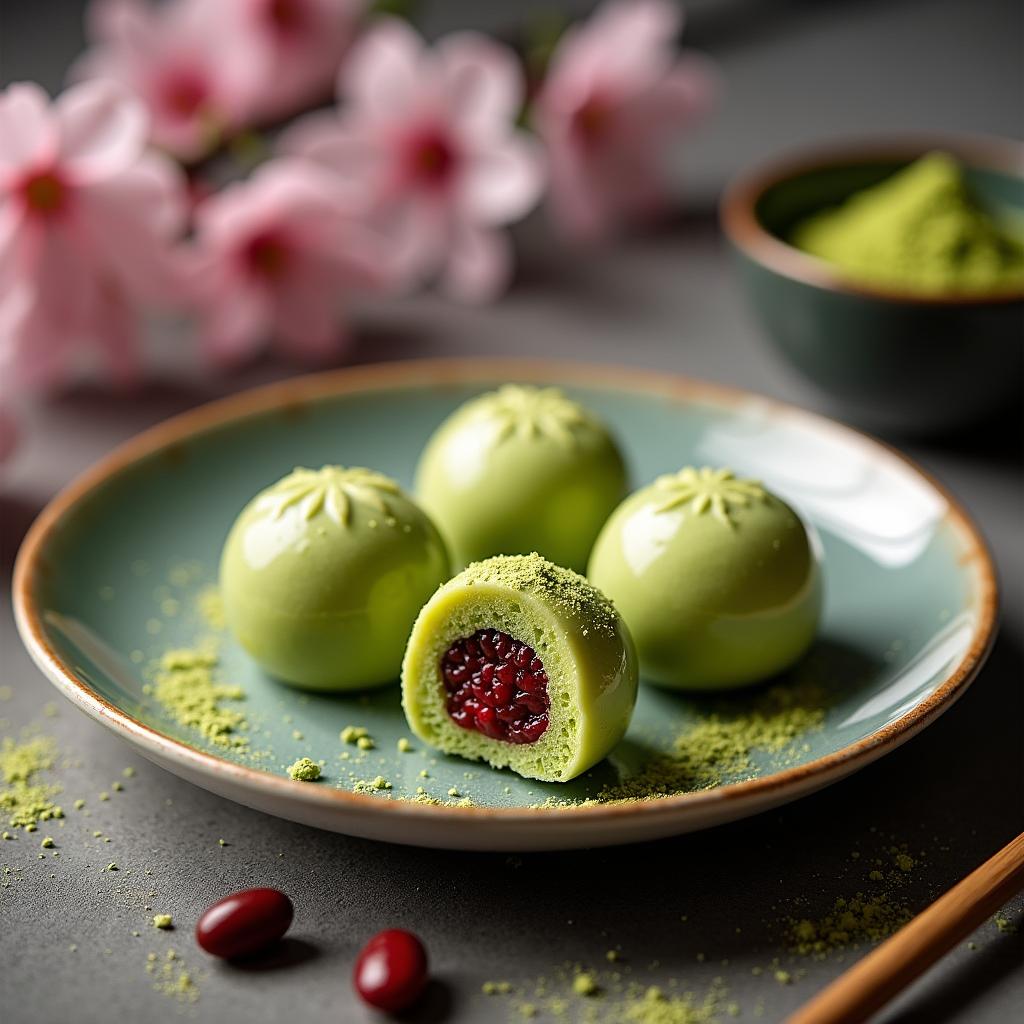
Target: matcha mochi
{"points": [[717, 579], [523, 664], [324, 573], [517, 470]]}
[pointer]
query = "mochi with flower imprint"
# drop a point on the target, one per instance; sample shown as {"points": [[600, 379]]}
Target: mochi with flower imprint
{"points": [[324, 573], [717, 578], [518, 470]]}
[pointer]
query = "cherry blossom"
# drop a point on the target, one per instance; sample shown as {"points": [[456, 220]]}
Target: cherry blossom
{"points": [[297, 45], [616, 94], [87, 222], [196, 83], [274, 257], [426, 141]]}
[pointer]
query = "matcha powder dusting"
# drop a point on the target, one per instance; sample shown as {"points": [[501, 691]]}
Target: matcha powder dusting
{"points": [[185, 686], [304, 770], [920, 229], [24, 799]]}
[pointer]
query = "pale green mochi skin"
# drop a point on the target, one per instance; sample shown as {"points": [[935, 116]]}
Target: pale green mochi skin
{"points": [[518, 470], [717, 579], [584, 644], [324, 573]]}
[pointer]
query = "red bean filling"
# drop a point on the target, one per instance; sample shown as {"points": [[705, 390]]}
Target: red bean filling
{"points": [[496, 685]]}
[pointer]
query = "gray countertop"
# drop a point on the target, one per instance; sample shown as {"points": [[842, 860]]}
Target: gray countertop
{"points": [[952, 795]]}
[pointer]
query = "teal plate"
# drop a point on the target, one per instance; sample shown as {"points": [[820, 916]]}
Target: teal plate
{"points": [[120, 568]]}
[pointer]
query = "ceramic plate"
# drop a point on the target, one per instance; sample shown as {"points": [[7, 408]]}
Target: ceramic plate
{"points": [[118, 569]]}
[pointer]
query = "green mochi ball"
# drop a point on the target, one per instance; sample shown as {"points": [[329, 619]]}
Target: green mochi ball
{"points": [[717, 579], [517, 470], [324, 573], [571, 628]]}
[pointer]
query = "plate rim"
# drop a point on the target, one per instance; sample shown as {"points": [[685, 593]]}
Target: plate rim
{"points": [[291, 394]]}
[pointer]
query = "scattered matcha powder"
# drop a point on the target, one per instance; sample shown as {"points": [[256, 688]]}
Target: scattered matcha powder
{"points": [[496, 988], [304, 770], [585, 984], [210, 605], [852, 922], [23, 798], [185, 687], [353, 733], [171, 978], [370, 785], [404, 746]]}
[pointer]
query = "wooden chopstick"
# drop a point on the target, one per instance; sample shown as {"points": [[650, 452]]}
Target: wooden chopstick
{"points": [[867, 986]]}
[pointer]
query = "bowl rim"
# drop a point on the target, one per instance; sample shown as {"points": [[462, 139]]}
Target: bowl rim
{"points": [[739, 220], [290, 395]]}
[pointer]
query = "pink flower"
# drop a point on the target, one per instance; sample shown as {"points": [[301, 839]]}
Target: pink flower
{"points": [[298, 46], [196, 83], [275, 254], [615, 95], [86, 222], [426, 140]]}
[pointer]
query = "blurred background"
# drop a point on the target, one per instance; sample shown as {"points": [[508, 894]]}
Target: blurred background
{"points": [[788, 73]]}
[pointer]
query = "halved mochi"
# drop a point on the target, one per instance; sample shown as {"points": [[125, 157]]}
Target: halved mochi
{"points": [[523, 664]]}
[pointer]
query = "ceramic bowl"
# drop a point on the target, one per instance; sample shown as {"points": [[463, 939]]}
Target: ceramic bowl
{"points": [[888, 359]]}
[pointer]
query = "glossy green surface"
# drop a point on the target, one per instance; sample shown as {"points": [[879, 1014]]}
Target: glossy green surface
{"points": [[900, 607], [323, 574], [586, 650], [715, 577], [919, 367], [523, 469]]}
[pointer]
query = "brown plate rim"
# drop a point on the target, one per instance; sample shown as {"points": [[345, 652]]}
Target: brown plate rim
{"points": [[737, 209], [293, 393]]}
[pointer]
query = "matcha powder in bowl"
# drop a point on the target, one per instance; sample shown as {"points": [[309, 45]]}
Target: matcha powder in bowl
{"points": [[922, 230]]}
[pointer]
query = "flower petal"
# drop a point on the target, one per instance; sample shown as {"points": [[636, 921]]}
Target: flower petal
{"points": [[306, 315], [479, 264], [237, 326], [577, 206], [417, 234], [504, 181], [28, 135], [102, 129], [131, 221], [688, 91], [482, 81], [383, 73], [115, 334], [344, 146], [47, 314], [15, 253]]}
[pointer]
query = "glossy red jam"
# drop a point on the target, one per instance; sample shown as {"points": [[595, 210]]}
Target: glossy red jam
{"points": [[496, 685]]}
